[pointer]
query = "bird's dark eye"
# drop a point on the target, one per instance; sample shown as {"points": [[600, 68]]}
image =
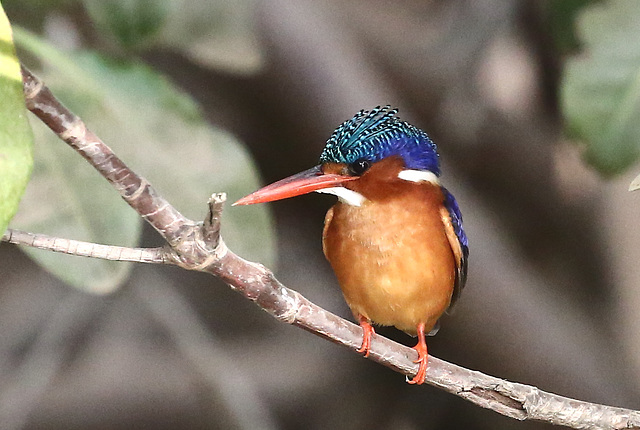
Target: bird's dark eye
{"points": [[358, 167]]}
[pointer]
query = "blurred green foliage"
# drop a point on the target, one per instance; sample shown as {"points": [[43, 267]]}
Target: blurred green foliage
{"points": [[216, 34], [131, 22], [561, 17], [600, 91], [152, 125]]}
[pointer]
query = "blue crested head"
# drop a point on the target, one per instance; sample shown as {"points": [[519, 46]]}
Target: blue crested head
{"points": [[377, 134]]}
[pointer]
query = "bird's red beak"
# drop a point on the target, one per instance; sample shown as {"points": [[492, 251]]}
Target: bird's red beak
{"points": [[301, 183]]}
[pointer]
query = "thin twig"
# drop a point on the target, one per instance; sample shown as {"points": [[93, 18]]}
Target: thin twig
{"points": [[211, 227], [198, 246], [87, 249]]}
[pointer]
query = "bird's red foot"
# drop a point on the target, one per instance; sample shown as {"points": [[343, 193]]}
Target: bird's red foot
{"points": [[367, 332], [421, 348]]}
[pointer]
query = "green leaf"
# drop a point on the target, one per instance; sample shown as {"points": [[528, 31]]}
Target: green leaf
{"points": [[217, 34], [16, 139], [132, 22], [158, 131], [560, 18], [601, 87]]}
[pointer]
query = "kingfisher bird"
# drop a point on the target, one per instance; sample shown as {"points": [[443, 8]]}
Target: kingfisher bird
{"points": [[394, 238]]}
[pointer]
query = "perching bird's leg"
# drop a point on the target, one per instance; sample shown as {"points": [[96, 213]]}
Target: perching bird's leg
{"points": [[367, 332], [421, 348]]}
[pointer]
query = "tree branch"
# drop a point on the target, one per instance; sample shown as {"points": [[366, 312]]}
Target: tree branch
{"points": [[198, 246], [86, 249]]}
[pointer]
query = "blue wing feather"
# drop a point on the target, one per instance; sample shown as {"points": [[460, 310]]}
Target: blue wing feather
{"points": [[456, 221]]}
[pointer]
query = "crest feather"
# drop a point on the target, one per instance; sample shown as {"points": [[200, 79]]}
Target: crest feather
{"points": [[377, 134]]}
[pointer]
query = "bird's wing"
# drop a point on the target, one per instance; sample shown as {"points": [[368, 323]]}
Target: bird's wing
{"points": [[452, 220]]}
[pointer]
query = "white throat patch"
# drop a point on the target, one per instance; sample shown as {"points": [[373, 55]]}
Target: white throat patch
{"points": [[419, 176], [345, 195]]}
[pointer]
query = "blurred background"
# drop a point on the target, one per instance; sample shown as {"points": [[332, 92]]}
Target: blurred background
{"points": [[552, 297]]}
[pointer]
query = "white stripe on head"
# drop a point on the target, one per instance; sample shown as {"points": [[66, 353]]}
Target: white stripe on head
{"points": [[345, 195], [419, 176]]}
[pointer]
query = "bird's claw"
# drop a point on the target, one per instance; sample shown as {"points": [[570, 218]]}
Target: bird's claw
{"points": [[421, 349], [422, 370], [367, 332]]}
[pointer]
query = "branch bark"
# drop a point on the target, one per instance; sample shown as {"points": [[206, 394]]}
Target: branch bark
{"points": [[85, 249], [199, 246]]}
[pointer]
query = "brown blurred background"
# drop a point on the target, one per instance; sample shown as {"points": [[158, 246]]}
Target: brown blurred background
{"points": [[552, 295]]}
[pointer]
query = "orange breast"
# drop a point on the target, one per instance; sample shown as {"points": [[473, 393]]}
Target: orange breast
{"points": [[392, 257]]}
